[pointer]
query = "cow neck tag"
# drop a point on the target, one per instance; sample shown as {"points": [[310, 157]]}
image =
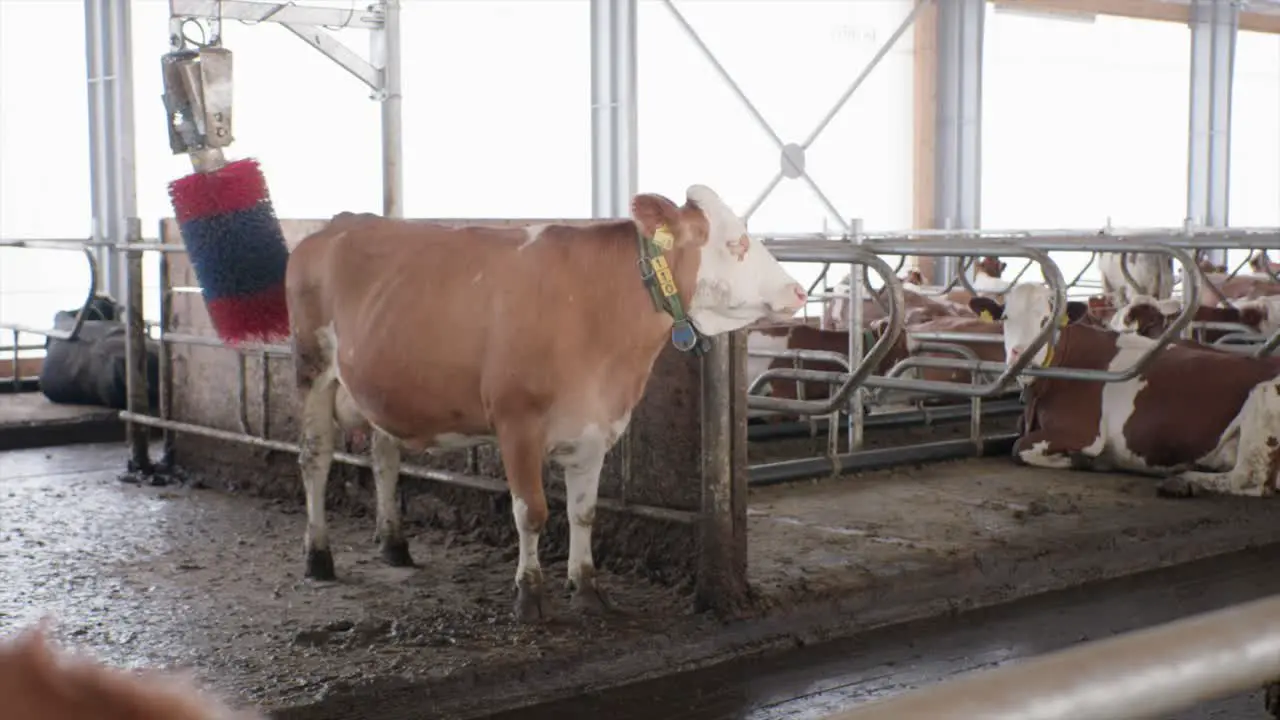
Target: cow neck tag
{"points": [[1053, 341], [656, 273], [985, 316]]}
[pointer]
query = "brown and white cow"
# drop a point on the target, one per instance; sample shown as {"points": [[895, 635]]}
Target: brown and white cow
{"points": [[541, 338], [1206, 418], [1151, 272], [1239, 287], [804, 337], [1150, 317]]}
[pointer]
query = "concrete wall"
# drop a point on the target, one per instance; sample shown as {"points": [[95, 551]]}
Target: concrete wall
{"points": [[662, 465]]}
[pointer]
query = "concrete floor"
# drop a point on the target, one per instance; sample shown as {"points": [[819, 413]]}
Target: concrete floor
{"points": [[212, 581], [814, 682], [28, 419]]}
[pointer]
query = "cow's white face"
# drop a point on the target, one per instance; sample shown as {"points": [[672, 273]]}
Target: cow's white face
{"points": [[1142, 312], [1028, 309], [739, 280]]}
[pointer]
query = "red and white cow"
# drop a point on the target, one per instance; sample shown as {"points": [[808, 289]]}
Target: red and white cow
{"points": [[541, 338], [1207, 419], [1150, 317], [1151, 272]]}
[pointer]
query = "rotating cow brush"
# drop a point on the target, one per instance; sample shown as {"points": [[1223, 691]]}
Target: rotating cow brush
{"points": [[228, 225]]}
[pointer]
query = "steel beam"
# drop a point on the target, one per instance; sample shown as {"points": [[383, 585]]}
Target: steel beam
{"points": [[385, 53], [613, 107], [1213, 48], [109, 73], [360, 15], [958, 122]]}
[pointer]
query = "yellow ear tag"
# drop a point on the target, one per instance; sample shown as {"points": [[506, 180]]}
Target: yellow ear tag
{"points": [[985, 316], [1064, 321], [663, 238]]}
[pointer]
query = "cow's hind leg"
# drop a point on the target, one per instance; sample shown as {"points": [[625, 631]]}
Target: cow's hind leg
{"points": [[582, 465], [385, 453], [523, 450], [315, 458], [1257, 457]]}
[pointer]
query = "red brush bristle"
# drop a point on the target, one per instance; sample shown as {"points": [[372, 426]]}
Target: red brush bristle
{"points": [[235, 186], [260, 317]]}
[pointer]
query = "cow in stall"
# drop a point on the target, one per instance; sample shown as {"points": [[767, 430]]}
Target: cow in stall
{"points": [[1149, 317], [1204, 419], [39, 681], [1152, 274], [804, 337], [918, 306], [1217, 288], [1262, 264], [541, 338]]}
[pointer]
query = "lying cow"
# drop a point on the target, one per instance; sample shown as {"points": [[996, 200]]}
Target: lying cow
{"points": [[41, 682], [1150, 317], [1208, 419], [1152, 275], [542, 338], [1217, 287], [801, 337]]}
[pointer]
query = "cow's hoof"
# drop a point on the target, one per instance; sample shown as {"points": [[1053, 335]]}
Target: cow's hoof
{"points": [[320, 565], [589, 600], [396, 553], [531, 604], [1176, 487]]}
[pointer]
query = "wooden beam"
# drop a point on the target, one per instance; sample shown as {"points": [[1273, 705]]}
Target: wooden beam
{"points": [[925, 97], [27, 367], [1158, 10]]}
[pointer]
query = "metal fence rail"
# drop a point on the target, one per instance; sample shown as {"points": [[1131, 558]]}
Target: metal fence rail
{"points": [[1145, 674]]}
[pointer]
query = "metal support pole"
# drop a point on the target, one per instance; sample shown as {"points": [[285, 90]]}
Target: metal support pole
{"points": [[137, 399], [1213, 45], [613, 107], [958, 159], [386, 42], [111, 139], [721, 577]]}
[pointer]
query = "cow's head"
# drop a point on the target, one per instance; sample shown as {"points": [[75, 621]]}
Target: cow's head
{"points": [[1145, 316], [739, 280], [1027, 310], [992, 266]]}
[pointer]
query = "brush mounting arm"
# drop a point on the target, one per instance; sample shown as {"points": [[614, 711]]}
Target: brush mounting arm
{"points": [[197, 100]]}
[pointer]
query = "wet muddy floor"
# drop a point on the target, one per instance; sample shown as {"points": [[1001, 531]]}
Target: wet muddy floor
{"points": [[814, 682], [181, 576]]}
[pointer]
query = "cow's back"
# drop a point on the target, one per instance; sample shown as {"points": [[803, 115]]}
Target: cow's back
{"points": [[1189, 396]]}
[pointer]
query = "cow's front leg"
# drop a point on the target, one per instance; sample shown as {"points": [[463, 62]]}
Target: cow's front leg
{"points": [[582, 465], [385, 454], [1041, 449], [522, 447]]}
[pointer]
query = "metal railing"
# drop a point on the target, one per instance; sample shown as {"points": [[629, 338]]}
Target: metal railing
{"points": [[18, 329], [865, 252], [1144, 674]]}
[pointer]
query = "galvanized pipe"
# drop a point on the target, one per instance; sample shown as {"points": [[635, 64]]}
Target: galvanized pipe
{"points": [[440, 476], [1150, 673]]}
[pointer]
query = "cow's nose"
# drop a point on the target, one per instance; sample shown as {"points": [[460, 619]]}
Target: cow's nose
{"points": [[801, 295]]}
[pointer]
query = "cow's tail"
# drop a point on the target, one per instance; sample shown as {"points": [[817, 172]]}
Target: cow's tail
{"points": [[236, 248]]}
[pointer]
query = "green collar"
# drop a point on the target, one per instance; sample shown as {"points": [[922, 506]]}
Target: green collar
{"points": [[657, 277]]}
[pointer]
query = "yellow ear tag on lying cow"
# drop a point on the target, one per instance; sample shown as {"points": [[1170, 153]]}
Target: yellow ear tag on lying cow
{"points": [[985, 316], [1064, 321], [663, 238]]}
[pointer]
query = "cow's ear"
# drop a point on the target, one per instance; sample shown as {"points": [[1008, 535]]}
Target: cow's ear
{"points": [[1076, 311], [658, 217], [986, 307]]}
